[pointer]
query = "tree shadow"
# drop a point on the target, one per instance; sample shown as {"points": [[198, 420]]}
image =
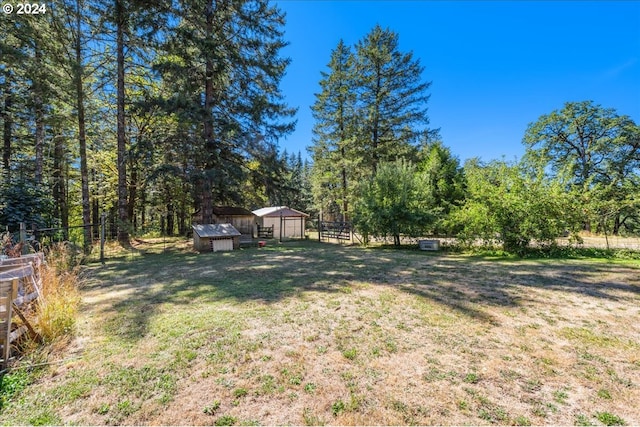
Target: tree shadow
{"points": [[468, 286]]}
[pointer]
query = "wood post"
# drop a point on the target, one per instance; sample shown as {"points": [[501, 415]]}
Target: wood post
{"points": [[103, 221], [7, 289]]}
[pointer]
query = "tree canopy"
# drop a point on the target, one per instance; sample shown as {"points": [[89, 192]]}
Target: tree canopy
{"points": [[592, 149]]}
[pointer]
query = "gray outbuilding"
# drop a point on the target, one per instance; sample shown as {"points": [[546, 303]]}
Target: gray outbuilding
{"points": [[215, 237]]}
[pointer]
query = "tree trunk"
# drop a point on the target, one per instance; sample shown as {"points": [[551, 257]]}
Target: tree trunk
{"points": [[376, 124], [170, 219], [133, 185], [64, 197], [345, 203], [95, 208], [123, 220], [82, 134], [8, 127], [207, 202], [206, 195], [182, 214], [58, 182], [616, 224], [143, 215], [39, 116]]}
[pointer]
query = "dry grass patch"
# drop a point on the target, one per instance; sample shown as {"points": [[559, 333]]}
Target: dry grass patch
{"points": [[314, 334]]}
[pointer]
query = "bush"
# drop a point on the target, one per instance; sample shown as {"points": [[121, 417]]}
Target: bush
{"points": [[507, 206]]}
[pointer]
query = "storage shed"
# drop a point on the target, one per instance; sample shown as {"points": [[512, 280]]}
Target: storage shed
{"points": [[215, 237], [242, 219], [286, 222]]}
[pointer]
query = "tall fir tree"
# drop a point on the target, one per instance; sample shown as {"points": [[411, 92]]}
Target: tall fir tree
{"points": [[334, 131], [392, 98], [372, 108], [223, 60]]}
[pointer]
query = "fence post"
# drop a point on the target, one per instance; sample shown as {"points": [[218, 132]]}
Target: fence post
{"points": [[23, 238], [280, 240], [103, 220]]}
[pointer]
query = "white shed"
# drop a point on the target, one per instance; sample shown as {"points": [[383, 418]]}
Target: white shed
{"points": [[286, 222], [215, 237]]}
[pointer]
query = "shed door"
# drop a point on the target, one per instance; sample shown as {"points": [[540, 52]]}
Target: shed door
{"points": [[221, 245]]}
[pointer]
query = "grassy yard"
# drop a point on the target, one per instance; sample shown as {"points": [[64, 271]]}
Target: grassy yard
{"points": [[309, 333]]}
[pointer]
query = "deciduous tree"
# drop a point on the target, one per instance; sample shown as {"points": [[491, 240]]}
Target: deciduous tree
{"points": [[588, 144]]}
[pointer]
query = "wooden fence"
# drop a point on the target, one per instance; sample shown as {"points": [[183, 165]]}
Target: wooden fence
{"points": [[20, 285]]}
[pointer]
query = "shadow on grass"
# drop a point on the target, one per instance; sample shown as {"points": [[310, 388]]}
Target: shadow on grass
{"points": [[465, 284]]}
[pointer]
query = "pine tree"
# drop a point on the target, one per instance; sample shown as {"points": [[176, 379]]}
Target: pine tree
{"points": [[392, 98], [224, 66], [334, 130], [371, 109]]}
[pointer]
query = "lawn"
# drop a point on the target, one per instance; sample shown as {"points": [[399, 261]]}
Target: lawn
{"points": [[309, 333]]}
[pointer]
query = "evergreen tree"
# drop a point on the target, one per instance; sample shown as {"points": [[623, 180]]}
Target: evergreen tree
{"points": [[371, 109], [443, 182], [334, 131], [223, 63], [392, 99]]}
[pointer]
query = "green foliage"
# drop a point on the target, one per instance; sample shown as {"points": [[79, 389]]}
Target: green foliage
{"points": [[338, 407], [582, 420], [393, 203], [212, 409], [21, 200], [595, 151], [392, 98], [222, 70], [444, 183], [350, 353], [506, 206], [471, 378], [226, 420], [333, 174], [610, 419], [240, 392], [12, 384]]}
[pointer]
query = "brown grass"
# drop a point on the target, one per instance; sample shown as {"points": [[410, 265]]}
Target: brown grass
{"points": [[305, 333]]}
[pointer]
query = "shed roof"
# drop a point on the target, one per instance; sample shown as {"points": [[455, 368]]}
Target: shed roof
{"points": [[216, 230], [231, 210], [279, 211]]}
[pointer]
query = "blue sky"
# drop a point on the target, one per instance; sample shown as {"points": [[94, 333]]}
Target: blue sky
{"points": [[495, 66]]}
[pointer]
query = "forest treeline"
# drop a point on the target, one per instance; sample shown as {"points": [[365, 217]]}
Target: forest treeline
{"points": [[148, 111], [155, 112]]}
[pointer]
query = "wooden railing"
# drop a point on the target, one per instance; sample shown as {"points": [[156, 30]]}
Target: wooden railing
{"points": [[265, 232], [20, 286]]}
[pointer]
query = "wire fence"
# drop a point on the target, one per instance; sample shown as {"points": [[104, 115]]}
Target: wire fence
{"points": [[104, 244]]}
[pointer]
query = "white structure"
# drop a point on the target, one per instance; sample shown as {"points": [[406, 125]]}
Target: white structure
{"points": [[286, 222]]}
